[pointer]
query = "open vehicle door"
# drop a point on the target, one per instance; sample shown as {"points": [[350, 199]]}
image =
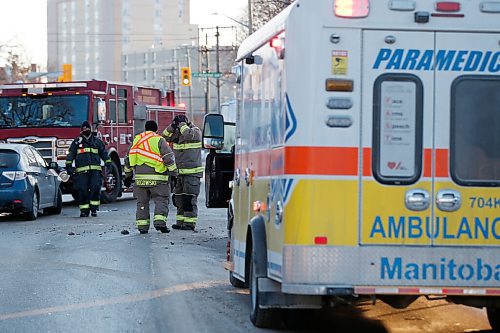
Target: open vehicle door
{"points": [[218, 137]]}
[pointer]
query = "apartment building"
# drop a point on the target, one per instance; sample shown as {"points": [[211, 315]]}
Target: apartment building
{"points": [[94, 35]]}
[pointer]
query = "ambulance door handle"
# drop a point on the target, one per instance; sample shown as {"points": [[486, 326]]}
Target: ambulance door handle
{"points": [[417, 200], [237, 176], [247, 176], [448, 200]]}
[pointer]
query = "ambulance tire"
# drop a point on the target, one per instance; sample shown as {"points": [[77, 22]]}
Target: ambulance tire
{"points": [[261, 317], [236, 282], [494, 318]]}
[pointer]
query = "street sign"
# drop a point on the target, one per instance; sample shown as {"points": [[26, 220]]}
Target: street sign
{"points": [[214, 75]]}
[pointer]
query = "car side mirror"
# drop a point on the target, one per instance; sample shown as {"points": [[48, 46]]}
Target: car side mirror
{"points": [[213, 131], [53, 165]]}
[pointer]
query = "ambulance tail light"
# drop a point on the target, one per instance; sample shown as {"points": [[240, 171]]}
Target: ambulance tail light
{"points": [[447, 6], [351, 8]]}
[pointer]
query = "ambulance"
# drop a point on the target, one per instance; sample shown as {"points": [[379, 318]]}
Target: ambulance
{"points": [[366, 158]]}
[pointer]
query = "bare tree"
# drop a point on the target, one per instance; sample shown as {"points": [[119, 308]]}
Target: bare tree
{"points": [[265, 10], [15, 70]]}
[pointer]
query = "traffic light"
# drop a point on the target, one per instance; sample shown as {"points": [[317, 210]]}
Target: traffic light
{"points": [[67, 72], [185, 76]]}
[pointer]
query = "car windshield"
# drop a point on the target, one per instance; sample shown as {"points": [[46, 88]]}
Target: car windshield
{"points": [[43, 111], [8, 159]]}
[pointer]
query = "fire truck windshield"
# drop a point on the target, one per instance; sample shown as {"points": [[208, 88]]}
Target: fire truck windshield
{"points": [[43, 111]]}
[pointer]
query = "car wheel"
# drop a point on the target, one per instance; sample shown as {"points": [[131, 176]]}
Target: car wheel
{"points": [[112, 185], [56, 210], [32, 214]]}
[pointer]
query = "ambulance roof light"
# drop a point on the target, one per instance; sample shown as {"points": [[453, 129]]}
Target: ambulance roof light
{"points": [[447, 6], [351, 8]]}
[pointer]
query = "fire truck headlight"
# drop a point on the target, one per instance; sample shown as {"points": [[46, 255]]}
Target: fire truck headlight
{"points": [[64, 143], [62, 152]]}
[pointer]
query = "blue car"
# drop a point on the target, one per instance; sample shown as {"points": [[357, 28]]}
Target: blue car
{"points": [[28, 184]]}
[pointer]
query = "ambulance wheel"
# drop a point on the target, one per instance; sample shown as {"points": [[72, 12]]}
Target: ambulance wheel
{"points": [[494, 318], [261, 317], [235, 282], [112, 185]]}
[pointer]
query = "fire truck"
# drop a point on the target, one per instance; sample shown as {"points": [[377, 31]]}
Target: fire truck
{"points": [[48, 116], [366, 159]]}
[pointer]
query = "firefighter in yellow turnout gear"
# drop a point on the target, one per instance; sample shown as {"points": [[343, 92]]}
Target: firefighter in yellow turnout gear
{"points": [[151, 160], [186, 139]]}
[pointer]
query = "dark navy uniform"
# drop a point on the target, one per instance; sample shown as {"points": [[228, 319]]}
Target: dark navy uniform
{"points": [[86, 152]]}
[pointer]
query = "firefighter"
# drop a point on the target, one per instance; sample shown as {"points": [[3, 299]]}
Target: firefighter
{"points": [[87, 151], [150, 160], [186, 138]]}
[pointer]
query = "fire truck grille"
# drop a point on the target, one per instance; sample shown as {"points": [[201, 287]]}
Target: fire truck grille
{"points": [[46, 146]]}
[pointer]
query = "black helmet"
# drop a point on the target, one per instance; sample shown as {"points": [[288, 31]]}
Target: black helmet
{"points": [[85, 124], [151, 125]]}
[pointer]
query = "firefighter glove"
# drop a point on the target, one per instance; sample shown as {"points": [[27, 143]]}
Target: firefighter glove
{"points": [[181, 119], [173, 181], [70, 170], [109, 168], [127, 181]]}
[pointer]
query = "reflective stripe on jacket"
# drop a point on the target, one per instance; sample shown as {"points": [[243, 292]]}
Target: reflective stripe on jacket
{"points": [[145, 150], [87, 154], [187, 148], [151, 159]]}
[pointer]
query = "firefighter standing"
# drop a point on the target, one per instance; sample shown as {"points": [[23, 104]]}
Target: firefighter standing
{"points": [[87, 151], [186, 139], [150, 159]]}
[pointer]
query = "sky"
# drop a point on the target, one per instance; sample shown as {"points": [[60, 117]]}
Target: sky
{"points": [[23, 23]]}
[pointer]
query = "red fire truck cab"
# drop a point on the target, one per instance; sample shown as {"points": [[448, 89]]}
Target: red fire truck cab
{"points": [[48, 116]]}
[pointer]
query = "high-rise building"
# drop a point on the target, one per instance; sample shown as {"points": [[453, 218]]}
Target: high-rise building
{"points": [[93, 35]]}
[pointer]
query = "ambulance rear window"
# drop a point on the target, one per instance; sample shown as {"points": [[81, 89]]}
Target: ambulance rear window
{"points": [[397, 129], [475, 130]]}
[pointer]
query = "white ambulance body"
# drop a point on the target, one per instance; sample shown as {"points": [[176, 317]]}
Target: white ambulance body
{"points": [[367, 156]]}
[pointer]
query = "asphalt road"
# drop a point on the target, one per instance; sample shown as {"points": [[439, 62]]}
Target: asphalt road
{"points": [[69, 274]]}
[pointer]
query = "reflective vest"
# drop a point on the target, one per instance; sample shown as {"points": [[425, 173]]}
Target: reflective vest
{"points": [[145, 150]]}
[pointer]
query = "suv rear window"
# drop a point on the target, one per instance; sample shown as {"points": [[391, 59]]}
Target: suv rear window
{"points": [[475, 130], [8, 159]]}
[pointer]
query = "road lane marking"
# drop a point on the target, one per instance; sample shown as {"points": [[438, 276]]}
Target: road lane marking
{"points": [[115, 300]]}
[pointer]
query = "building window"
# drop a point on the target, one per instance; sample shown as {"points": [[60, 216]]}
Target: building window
{"points": [[145, 58], [145, 74]]}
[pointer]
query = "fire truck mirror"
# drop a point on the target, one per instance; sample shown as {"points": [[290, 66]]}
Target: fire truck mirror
{"points": [[101, 110], [213, 131]]}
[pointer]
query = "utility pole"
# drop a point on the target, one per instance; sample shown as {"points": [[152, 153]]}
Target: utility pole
{"points": [[206, 70], [250, 28], [217, 68]]}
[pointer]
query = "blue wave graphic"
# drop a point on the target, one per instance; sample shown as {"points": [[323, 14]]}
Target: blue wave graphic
{"points": [[291, 121]]}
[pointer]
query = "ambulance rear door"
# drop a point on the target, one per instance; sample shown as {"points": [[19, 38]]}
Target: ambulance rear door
{"points": [[467, 140], [397, 139]]}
